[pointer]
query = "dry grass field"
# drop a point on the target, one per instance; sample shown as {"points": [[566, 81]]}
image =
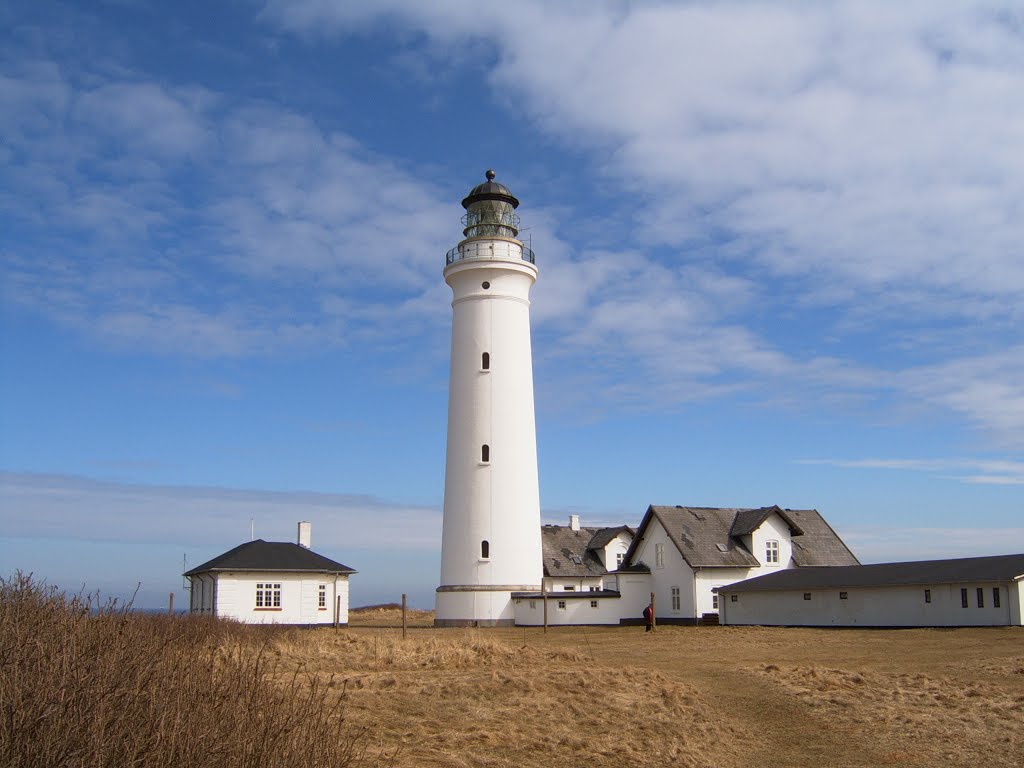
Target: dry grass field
{"points": [[688, 696], [88, 683]]}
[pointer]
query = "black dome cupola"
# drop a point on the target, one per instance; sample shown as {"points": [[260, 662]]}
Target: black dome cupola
{"points": [[490, 210]]}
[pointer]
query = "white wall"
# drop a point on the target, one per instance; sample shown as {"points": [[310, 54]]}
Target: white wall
{"points": [[615, 547], [236, 597], [707, 579], [529, 612], [578, 584], [773, 528], [201, 594], [675, 573], [872, 607]]}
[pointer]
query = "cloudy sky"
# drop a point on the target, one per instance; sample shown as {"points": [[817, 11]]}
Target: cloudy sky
{"points": [[780, 253]]}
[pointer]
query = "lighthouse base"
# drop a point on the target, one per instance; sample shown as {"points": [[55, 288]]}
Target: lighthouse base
{"points": [[477, 605]]}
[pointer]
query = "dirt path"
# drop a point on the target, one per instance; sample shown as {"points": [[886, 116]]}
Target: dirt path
{"points": [[790, 733]]}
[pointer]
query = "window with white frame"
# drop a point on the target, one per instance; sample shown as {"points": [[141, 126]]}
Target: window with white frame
{"points": [[620, 558], [771, 552], [714, 601], [593, 603], [659, 555], [321, 599], [676, 601], [561, 605], [268, 596]]}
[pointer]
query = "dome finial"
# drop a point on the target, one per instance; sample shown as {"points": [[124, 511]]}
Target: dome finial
{"points": [[489, 175]]}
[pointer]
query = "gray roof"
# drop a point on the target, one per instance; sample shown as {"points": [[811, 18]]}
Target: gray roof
{"points": [[601, 539], [260, 555], [749, 520], [818, 544], [711, 537], [960, 570], [563, 547]]}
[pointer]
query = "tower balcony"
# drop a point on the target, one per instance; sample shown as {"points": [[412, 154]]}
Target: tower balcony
{"points": [[489, 248]]}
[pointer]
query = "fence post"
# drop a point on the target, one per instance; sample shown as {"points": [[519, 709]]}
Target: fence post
{"points": [[405, 624], [170, 605], [654, 613], [544, 591], [337, 611]]}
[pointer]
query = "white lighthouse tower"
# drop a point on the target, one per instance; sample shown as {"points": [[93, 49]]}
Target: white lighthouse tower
{"points": [[490, 545]]}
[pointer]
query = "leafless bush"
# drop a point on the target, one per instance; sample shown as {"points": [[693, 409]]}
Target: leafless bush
{"points": [[85, 682]]}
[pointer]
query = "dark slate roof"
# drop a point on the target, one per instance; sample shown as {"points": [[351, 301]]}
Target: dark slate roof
{"points": [[957, 571], [603, 536], [749, 520], [707, 537], [562, 546], [260, 555], [818, 544]]}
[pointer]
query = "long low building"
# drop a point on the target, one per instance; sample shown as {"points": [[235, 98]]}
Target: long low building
{"points": [[963, 592]]}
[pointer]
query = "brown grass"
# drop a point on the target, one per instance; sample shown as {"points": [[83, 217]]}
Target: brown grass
{"points": [[721, 697], [713, 696], [89, 684]]}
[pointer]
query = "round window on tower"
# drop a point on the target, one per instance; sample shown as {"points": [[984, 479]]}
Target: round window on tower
{"points": [[485, 285]]}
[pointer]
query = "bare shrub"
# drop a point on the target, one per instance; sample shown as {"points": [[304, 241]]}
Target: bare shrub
{"points": [[84, 682]]}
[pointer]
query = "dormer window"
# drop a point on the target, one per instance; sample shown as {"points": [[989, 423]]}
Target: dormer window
{"points": [[771, 552]]}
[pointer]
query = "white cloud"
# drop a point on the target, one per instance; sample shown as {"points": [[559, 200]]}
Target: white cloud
{"points": [[966, 470], [70, 507], [872, 143], [881, 545], [285, 209], [147, 116], [865, 158]]}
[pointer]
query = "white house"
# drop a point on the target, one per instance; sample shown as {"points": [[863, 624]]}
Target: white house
{"points": [[578, 561], [974, 591], [272, 582], [692, 551], [680, 554]]}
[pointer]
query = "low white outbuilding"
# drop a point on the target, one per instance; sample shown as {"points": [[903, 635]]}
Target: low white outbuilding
{"points": [[272, 582], [963, 592]]}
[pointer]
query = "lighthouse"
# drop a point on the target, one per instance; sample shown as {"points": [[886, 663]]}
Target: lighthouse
{"points": [[490, 543]]}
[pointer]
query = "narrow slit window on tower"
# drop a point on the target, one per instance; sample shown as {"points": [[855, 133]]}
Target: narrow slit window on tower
{"points": [[485, 550], [485, 453], [485, 361]]}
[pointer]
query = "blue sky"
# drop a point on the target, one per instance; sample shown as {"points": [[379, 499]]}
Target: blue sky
{"points": [[779, 249]]}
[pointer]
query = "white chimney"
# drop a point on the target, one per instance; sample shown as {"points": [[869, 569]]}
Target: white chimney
{"points": [[574, 522], [305, 534]]}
